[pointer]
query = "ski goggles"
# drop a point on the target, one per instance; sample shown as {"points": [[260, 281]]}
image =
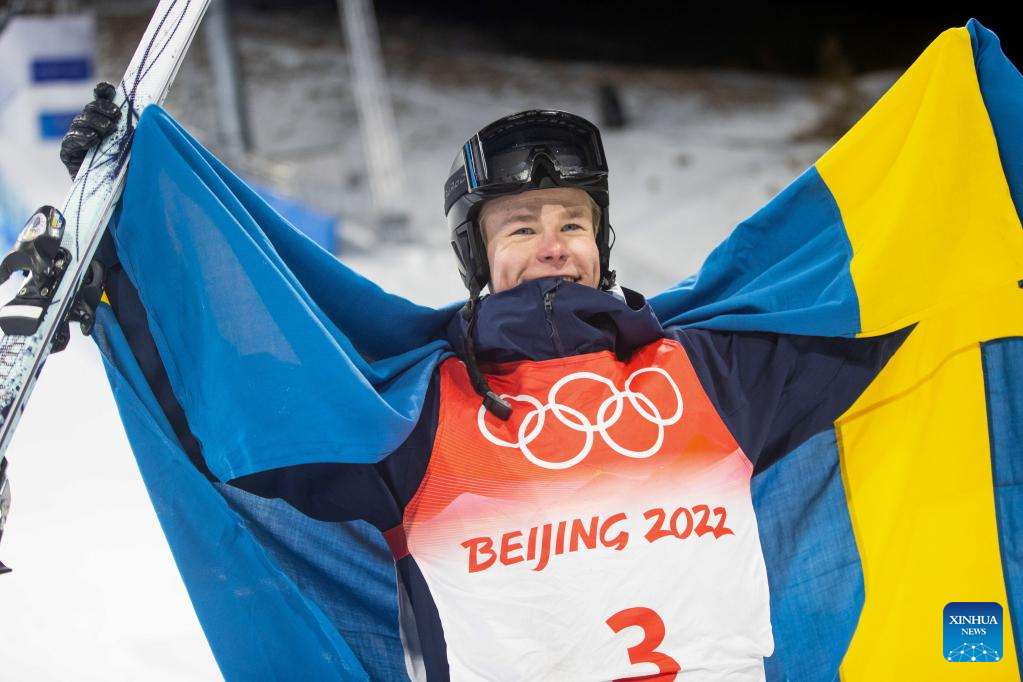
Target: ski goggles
{"points": [[503, 156]]}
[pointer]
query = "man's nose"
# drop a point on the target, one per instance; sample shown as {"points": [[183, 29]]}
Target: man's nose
{"points": [[552, 248]]}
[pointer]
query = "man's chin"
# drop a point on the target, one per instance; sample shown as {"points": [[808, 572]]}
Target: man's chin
{"points": [[566, 278]]}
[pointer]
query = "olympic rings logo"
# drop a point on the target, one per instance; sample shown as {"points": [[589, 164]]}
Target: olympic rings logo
{"points": [[533, 423]]}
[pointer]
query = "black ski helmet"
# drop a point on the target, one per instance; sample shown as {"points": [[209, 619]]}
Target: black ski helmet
{"points": [[536, 149]]}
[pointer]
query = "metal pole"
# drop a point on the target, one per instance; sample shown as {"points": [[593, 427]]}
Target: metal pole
{"points": [[227, 91], [376, 117]]}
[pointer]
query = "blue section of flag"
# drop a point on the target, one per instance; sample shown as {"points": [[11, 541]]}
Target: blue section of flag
{"points": [[334, 369], [50, 69], [813, 566], [54, 124], [1003, 384], [784, 269], [346, 569], [1001, 86], [259, 623]]}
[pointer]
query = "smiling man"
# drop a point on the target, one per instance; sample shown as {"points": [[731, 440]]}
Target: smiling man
{"points": [[574, 500]]}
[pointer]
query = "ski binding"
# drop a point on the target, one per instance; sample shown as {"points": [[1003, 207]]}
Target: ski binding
{"points": [[38, 254]]}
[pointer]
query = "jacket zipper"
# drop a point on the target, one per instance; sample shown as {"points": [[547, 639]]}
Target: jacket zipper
{"points": [[548, 306]]}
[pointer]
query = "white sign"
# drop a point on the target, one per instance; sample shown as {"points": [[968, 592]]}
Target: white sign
{"points": [[48, 75]]}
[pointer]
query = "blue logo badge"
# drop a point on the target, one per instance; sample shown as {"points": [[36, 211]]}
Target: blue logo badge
{"points": [[973, 631]]}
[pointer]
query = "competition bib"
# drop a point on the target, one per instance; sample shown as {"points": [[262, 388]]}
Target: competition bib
{"points": [[605, 531]]}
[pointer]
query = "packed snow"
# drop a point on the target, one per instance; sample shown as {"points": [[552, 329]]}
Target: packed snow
{"points": [[95, 594]]}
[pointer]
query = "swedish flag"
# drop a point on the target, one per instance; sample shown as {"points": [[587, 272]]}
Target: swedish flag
{"points": [[914, 501]]}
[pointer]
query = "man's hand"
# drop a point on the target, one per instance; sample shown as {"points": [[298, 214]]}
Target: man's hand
{"points": [[97, 120]]}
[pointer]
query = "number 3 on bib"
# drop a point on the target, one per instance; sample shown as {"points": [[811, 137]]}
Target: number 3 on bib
{"points": [[645, 652]]}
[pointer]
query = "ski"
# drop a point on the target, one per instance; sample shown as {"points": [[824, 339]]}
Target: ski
{"points": [[56, 248]]}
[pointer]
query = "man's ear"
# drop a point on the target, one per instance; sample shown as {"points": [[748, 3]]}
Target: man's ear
{"points": [[595, 208]]}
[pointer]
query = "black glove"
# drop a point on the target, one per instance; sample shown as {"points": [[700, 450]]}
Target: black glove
{"points": [[97, 120]]}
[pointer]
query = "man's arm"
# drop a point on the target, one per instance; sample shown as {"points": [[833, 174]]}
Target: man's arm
{"points": [[774, 391]]}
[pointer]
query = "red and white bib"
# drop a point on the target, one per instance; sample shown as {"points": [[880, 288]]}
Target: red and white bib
{"points": [[605, 531]]}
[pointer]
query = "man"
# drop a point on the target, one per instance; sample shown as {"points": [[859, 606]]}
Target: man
{"points": [[574, 501]]}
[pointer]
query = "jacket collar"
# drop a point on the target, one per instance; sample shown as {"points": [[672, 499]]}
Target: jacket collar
{"points": [[550, 318]]}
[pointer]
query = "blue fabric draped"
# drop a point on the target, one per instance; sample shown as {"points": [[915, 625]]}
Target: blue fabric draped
{"points": [[257, 326]]}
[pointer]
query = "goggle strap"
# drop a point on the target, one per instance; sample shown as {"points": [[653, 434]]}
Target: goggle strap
{"points": [[470, 167], [484, 172]]}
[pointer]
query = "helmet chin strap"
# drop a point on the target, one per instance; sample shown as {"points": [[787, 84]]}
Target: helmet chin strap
{"points": [[500, 408], [495, 404]]}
